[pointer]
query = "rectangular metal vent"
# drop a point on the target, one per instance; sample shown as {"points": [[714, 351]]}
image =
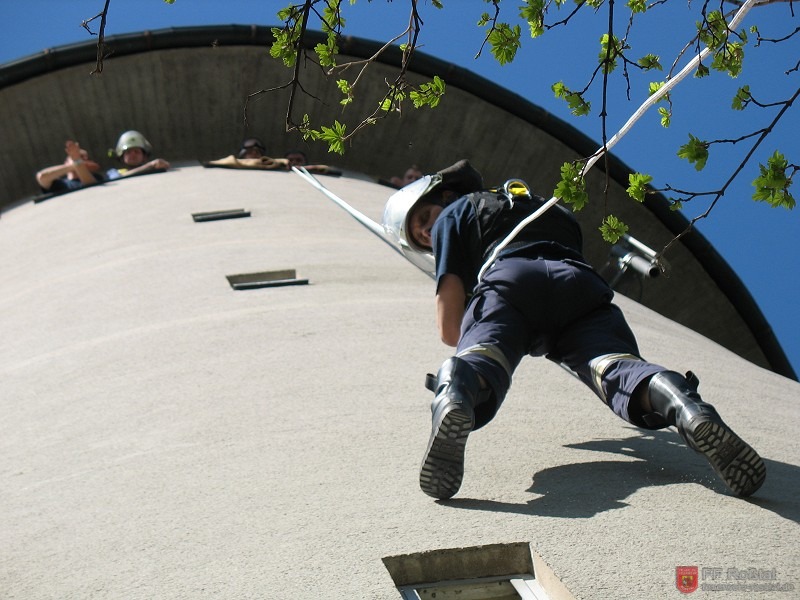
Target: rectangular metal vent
{"points": [[218, 215], [250, 281], [510, 571]]}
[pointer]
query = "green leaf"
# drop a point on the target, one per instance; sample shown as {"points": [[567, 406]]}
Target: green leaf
{"points": [[666, 116], [347, 91], [637, 6], [532, 12], [655, 86], [772, 184], [714, 31], [334, 136], [611, 48], [572, 187], [729, 58], [332, 19], [637, 185], [742, 98], [577, 105], [504, 42], [327, 53], [695, 151], [305, 128], [559, 89], [394, 98], [429, 94], [649, 62], [284, 46], [612, 229], [727, 55]]}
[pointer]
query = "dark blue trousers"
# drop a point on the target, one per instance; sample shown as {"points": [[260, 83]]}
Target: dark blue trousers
{"points": [[561, 309]]}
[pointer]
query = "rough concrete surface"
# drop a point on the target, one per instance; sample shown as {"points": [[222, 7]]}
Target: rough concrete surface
{"points": [[164, 436]]}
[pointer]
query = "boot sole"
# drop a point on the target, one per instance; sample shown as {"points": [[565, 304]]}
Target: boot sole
{"points": [[443, 466], [736, 463]]}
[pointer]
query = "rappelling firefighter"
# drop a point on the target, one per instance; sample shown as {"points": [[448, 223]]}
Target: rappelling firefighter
{"points": [[537, 297]]}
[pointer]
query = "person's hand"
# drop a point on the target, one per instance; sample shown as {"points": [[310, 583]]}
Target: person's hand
{"points": [[73, 151], [77, 155], [159, 163], [78, 163]]}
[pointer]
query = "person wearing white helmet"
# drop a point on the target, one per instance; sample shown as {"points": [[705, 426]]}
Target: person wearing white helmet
{"points": [[538, 296], [134, 151]]}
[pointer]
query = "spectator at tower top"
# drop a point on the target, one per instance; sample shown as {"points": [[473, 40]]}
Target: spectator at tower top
{"points": [[76, 171], [134, 151]]}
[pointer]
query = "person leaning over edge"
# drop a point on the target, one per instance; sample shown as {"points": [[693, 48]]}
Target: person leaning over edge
{"points": [[540, 297], [134, 151], [75, 172], [252, 148], [411, 175]]}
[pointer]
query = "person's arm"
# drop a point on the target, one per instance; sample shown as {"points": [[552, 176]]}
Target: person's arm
{"points": [[81, 169], [47, 176], [156, 163], [79, 161], [450, 299]]}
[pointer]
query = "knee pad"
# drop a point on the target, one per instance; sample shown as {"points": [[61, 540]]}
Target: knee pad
{"points": [[598, 366], [491, 352]]}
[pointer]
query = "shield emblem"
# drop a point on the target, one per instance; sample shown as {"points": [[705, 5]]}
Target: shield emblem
{"points": [[686, 579]]}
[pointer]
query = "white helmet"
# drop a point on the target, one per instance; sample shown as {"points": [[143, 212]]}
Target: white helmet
{"points": [[461, 178], [132, 139], [398, 208], [395, 221]]}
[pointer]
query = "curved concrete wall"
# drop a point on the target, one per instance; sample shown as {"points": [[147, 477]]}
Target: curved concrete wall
{"points": [[188, 97], [164, 436]]}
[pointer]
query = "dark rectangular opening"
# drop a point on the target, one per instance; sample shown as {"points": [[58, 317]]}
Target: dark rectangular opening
{"points": [[218, 215], [250, 281]]}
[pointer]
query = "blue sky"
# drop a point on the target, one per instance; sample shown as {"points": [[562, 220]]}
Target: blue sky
{"points": [[760, 243]]}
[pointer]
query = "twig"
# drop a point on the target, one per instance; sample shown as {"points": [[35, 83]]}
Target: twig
{"points": [[101, 46]]}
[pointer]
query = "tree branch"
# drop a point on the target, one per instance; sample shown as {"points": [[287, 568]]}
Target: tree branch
{"points": [[102, 49]]}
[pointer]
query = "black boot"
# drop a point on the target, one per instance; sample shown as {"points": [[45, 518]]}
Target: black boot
{"points": [[675, 398], [456, 387]]}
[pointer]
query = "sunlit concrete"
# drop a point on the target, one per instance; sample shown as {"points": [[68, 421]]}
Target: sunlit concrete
{"points": [[164, 436]]}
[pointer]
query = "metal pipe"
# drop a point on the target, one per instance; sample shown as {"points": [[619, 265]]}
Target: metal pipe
{"points": [[628, 259]]}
